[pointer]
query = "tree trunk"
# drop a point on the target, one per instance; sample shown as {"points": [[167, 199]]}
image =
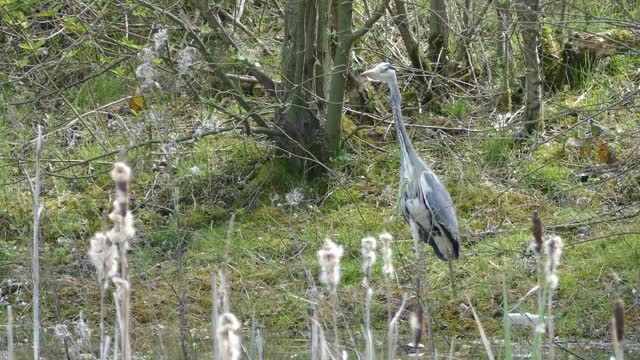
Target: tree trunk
{"points": [[339, 75], [299, 118], [413, 49], [306, 25], [529, 14], [323, 66], [504, 51], [439, 32], [463, 45]]}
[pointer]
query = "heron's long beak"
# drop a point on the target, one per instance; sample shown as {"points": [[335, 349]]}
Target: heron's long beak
{"points": [[367, 73]]}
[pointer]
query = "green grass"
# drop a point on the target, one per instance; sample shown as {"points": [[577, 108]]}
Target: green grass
{"points": [[102, 90], [458, 109], [498, 150]]}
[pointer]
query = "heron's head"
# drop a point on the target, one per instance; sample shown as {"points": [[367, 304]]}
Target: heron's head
{"points": [[381, 72]]}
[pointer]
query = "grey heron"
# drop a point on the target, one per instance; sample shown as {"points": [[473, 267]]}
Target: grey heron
{"points": [[425, 203]]}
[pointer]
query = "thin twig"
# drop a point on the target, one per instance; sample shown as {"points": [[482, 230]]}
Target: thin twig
{"points": [[35, 255], [483, 335], [214, 316], [392, 332], [77, 118]]}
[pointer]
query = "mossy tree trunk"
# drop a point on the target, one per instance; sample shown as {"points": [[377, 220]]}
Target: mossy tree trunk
{"points": [[346, 37], [310, 76], [529, 14], [463, 42], [504, 51], [438, 32], [300, 117], [417, 58], [323, 51], [339, 74]]}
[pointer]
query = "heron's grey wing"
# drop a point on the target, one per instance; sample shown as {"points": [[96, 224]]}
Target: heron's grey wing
{"points": [[439, 200], [442, 210]]}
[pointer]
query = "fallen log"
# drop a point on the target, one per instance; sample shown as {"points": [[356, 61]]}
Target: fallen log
{"points": [[581, 52]]}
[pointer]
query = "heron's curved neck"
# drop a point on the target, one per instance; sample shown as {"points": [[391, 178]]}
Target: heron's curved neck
{"points": [[396, 105]]}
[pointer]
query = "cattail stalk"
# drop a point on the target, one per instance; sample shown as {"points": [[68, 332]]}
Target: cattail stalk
{"points": [[116, 335], [108, 254], [539, 328], [10, 351], [318, 341], [35, 255], [315, 335], [259, 345], [104, 256], [214, 316], [103, 345], [392, 332], [388, 271], [334, 313], [368, 335], [329, 257], [536, 230], [120, 234], [368, 259]]}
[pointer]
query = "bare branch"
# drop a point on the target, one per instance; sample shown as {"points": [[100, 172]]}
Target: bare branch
{"points": [[234, 91], [256, 130], [382, 6]]}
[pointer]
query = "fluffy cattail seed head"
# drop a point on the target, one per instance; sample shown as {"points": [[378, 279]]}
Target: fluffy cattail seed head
{"points": [[121, 217], [553, 250], [385, 237], [123, 229], [387, 256], [536, 229], [159, 39], [104, 257], [329, 257], [121, 172], [368, 254], [61, 331], [228, 337], [83, 331], [415, 322]]}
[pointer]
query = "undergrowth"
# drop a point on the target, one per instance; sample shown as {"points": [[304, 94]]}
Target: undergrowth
{"points": [[580, 176]]}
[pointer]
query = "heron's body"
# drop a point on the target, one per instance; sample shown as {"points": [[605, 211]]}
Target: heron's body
{"points": [[425, 203]]}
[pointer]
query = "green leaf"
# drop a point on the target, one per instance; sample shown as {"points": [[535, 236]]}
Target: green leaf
{"points": [[74, 24], [51, 12], [128, 42], [205, 30], [31, 46], [23, 62], [71, 54]]}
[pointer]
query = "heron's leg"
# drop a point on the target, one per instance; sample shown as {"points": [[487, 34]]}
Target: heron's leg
{"points": [[453, 283], [421, 291]]}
